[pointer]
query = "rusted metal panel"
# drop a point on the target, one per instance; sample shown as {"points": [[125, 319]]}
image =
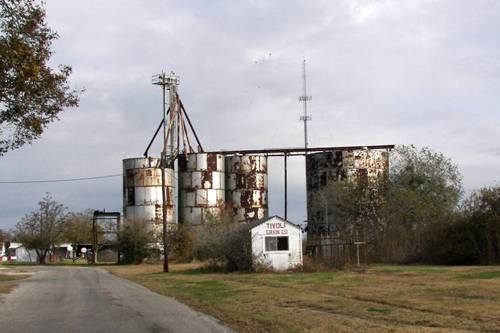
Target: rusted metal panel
{"points": [[246, 186], [201, 187], [246, 214]]}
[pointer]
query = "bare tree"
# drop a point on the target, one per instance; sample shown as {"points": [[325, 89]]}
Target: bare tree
{"points": [[41, 230]]}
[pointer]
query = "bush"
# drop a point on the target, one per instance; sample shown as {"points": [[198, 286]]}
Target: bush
{"points": [[224, 245], [454, 244], [136, 241], [471, 238], [181, 243]]}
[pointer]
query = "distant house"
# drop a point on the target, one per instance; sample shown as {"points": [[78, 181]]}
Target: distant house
{"points": [[277, 242], [17, 252]]}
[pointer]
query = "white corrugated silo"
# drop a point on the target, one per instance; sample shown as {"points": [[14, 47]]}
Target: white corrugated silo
{"points": [[142, 197]]}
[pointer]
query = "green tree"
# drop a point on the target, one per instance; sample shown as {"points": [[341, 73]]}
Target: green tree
{"points": [[354, 204], [41, 230], [482, 211], [77, 229], [424, 193], [32, 94], [135, 241]]}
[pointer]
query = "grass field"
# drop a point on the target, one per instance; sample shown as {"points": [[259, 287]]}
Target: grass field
{"points": [[377, 299], [7, 281]]}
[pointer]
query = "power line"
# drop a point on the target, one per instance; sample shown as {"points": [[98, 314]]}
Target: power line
{"points": [[58, 180]]}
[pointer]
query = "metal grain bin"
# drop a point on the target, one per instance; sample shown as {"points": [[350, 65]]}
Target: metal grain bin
{"points": [[324, 168], [246, 186], [201, 187], [142, 197]]}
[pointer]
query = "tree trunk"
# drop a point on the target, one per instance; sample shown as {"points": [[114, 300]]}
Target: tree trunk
{"points": [[42, 258]]}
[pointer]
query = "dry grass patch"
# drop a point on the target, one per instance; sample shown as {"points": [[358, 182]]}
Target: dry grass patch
{"points": [[380, 298], [7, 281]]}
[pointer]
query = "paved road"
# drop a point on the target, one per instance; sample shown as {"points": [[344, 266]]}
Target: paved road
{"points": [[81, 299]]}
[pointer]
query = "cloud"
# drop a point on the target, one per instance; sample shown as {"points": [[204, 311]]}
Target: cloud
{"points": [[422, 72]]}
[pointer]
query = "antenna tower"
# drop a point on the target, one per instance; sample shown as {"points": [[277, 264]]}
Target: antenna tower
{"points": [[303, 99]]}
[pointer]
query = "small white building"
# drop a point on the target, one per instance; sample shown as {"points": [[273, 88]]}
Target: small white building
{"points": [[277, 243], [17, 252]]}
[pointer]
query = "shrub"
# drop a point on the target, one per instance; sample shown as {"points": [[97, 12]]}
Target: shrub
{"points": [[181, 243], [224, 246], [135, 241]]}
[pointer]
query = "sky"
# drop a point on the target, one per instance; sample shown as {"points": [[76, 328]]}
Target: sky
{"points": [[422, 72]]}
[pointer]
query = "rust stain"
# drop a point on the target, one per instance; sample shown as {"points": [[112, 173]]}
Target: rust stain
{"points": [[211, 162], [206, 179]]}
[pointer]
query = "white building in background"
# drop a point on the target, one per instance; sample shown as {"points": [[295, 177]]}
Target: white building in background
{"points": [[277, 243], [17, 252]]}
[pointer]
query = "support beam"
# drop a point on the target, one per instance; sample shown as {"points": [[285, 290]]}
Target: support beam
{"points": [[286, 186], [200, 147], [146, 153], [296, 151]]}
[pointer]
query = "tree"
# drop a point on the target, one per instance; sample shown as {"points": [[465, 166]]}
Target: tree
{"points": [[3, 236], [78, 229], [32, 94], [352, 204], [482, 211], [41, 230], [424, 193], [425, 181], [135, 240]]}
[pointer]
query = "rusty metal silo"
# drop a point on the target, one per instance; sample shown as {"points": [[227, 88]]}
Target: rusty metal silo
{"points": [[246, 186], [327, 167], [201, 187], [142, 197]]}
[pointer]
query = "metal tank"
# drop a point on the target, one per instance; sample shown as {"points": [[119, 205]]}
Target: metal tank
{"points": [[201, 187], [246, 186], [326, 167], [142, 197]]}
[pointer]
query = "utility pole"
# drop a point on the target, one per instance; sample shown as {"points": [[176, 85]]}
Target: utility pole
{"points": [[167, 82]]}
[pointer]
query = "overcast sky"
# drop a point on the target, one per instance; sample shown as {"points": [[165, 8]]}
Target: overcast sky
{"points": [[380, 72]]}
